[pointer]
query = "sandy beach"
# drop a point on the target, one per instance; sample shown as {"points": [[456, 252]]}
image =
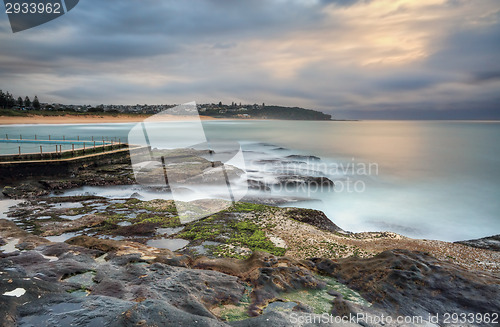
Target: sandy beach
{"points": [[87, 119]]}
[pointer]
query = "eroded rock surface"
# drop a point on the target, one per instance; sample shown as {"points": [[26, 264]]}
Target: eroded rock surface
{"points": [[414, 283], [489, 243], [116, 278]]}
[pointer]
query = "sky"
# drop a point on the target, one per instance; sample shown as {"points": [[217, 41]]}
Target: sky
{"points": [[365, 59]]}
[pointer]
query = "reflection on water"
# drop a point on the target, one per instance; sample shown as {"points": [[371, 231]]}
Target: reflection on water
{"points": [[173, 244], [10, 245], [5, 205], [62, 237]]}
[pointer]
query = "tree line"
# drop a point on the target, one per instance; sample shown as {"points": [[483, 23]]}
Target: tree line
{"points": [[8, 101]]}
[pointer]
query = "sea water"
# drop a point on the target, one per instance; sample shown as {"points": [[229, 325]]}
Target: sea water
{"points": [[424, 179]]}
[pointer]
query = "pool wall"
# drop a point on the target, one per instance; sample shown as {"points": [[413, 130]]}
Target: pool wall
{"points": [[15, 170]]}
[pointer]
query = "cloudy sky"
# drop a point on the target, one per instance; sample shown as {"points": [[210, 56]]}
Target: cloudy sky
{"points": [[380, 59]]}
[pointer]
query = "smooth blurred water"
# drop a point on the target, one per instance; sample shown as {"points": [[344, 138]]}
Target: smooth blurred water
{"points": [[435, 179]]}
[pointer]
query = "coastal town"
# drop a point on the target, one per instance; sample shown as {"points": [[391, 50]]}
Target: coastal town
{"points": [[9, 106]]}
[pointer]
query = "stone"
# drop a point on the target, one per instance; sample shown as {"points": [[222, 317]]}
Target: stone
{"points": [[488, 243]]}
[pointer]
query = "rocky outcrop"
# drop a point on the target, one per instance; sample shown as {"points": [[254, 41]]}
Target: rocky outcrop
{"points": [[302, 157], [57, 227], [128, 283], [114, 174], [315, 218], [134, 283], [413, 283], [258, 185], [311, 181], [24, 190], [268, 275], [488, 243]]}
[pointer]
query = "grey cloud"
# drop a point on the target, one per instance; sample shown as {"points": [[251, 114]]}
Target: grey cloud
{"points": [[486, 76], [473, 110], [194, 18], [341, 2], [407, 83], [90, 53], [224, 45], [117, 29], [469, 50]]}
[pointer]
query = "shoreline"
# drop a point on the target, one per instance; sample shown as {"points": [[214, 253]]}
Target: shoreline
{"points": [[7, 204], [280, 224], [85, 119], [122, 118]]}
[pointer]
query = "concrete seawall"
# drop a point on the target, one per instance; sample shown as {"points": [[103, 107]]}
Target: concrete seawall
{"points": [[16, 170], [61, 154]]}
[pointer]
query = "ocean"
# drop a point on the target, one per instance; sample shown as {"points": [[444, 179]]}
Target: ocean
{"points": [[422, 179]]}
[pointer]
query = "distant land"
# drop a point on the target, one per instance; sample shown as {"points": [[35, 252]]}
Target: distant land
{"points": [[9, 106], [224, 111]]}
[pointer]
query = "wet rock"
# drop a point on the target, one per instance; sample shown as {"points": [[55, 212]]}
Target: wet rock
{"points": [[258, 185], [146, 229], [23, 290], [234, 267], [24, 246], [8, 229], [63, 249], [297, 180], [109, 287], [28, 259], [275, 280], [67, 310], [323, 265], [268, 161], [274, 200], [313, 217], [106, 174], [95, 243], [132, 279], [193, 291], [414, 283], [24, 190], [136, 195], [275, 319], [210, 288], [56, 270], [188, 168], [160, 313], [177, 261], [268, 275], [97, 311], [50, 228], [303, 157], [57, 309], [119, 248], [217, 174], [128, 289], [58, 184], [489, 243]]}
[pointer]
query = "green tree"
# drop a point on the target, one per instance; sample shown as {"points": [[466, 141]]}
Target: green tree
{"points": [[2, 99], [10, 101], [95, 109], [27, 102], [36, 103], [20, 102]]}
